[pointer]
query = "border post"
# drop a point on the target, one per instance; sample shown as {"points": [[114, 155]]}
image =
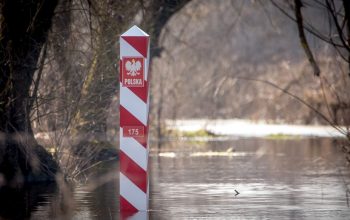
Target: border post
{"points": [[134, 109]]}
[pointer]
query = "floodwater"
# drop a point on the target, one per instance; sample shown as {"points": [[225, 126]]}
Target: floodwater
{"points": [[230, 179]]}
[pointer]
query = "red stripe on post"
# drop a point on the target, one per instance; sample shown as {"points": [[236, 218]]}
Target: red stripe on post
{"points": [[141, 92], [126, 118], [133, 171], [139, 43], [125, 205]]}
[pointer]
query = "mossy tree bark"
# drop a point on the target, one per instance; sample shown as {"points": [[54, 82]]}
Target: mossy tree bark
{"points": [[23, 32]]}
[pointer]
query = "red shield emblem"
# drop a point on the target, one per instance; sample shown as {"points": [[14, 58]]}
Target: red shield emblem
{"points": [[133, 72]]}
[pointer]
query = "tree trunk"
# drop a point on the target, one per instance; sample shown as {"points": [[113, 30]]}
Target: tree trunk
{"points": [[23, 31]]}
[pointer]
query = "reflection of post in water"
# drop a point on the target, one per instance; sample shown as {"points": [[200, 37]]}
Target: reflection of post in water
{"points": [[20, 203]]}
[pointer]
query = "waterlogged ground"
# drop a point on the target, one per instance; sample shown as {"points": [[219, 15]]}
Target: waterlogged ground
{"points": [[275, 179], [231, 179]]}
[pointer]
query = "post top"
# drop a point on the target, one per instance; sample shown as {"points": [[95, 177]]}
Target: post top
{"points": [[135, 31]]}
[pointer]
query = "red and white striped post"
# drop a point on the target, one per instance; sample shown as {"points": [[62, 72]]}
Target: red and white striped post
{"points": [[134, 107]]}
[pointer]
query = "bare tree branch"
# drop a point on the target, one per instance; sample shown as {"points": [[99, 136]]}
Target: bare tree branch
{"points": [[346, 5], [302, 37], [333, 13]]}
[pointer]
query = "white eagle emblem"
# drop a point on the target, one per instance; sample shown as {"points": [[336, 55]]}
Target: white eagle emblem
{"points": [[133, 68]]}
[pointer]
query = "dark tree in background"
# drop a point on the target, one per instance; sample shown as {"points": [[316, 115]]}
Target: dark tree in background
{"points": [[24, 27]]}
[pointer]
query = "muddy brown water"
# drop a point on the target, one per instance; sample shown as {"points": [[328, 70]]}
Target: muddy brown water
{"points": [[225, 179]]}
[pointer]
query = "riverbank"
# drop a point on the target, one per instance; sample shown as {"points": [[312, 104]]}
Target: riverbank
{"points": [[246, 128]]}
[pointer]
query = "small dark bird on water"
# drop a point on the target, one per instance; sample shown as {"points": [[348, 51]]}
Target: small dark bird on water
{"points": [[236, 192]]}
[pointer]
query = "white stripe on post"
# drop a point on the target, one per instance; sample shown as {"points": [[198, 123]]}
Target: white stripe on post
{"points": [[127, 49], [134, 150], [135, 196], [133, 104]]}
